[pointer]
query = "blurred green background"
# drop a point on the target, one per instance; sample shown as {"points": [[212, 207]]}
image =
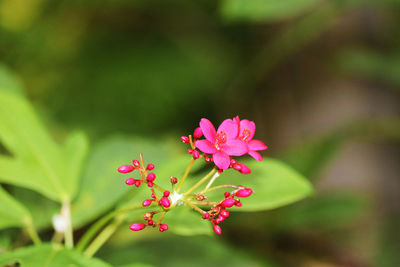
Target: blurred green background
{"points": [[321, 78]]}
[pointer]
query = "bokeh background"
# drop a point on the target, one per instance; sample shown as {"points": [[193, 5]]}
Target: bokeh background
{"points": [[321, 78]]}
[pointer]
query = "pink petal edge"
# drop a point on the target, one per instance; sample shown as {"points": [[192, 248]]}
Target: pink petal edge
{"points": [[230, 128], [222, 160], [256, 145], [235, 148], [256, 155], [208, 130], [206, 146]]}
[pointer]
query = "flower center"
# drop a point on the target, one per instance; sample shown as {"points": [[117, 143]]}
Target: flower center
{"points": [[220, 141], [245, 135]]}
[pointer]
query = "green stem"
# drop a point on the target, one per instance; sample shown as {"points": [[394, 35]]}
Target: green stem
{"points": [[185, 175], [69, 234], [94, 229], [103, 237], [219, 187], [194, 207], [33, 233], [205, 178]]}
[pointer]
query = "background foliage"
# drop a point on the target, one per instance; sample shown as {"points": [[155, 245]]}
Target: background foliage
{"points": [[86, 86]]}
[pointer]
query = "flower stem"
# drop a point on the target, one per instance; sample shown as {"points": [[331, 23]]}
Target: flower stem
{"points": [[220, 187], [103, 236], [185, 175], [216, 175], [194, 207], [68, 234], [205, 178], [33, 233], [99, 224]]}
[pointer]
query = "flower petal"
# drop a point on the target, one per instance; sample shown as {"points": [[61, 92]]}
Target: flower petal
{"points": [[222, 160], [256, 145], [206, 146], [208, 130], [250, 126], [235, 147], [256, 155], [230, 128]]}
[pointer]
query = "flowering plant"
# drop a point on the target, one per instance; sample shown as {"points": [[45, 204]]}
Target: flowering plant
{"points": [[234, 137], [77, 198]]}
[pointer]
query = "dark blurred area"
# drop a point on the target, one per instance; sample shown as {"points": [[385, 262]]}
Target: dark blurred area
{"points": [[320, 78]]}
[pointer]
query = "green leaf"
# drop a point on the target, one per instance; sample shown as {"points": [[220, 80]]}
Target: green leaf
{"points": [[47, 255], [311, 156], [182, 220], [181, 251], [102, 186], [275, 184], [12, 213], [9, 81], [328, 211], [38, 163], [265, 10], [75, 149]]}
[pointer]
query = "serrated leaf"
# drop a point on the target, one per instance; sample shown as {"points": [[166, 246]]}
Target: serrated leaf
{"points": [[47, 255], [12, 213]]}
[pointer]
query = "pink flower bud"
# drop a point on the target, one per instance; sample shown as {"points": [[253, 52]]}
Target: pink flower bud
{"points": [[150, 184], [126, 168], [206, 215], [217, 229], [190, 151], [147, 202], [150, 222], [151, 177], [136, 163], [164, 201], [219, 219], [237, 166], [185, 139], [227, 194], [150, 167], [207, 159], [238, 204], [200, 197], [245, 192], [195, 154], [130, 181], [137, 226], [174, 180], [198, 133], [166, 193], [233, 162], [137, 183], [229, 202], [163, 227], [224, 213], [244, 169]]}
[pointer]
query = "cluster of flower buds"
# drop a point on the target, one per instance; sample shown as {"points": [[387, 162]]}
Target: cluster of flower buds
{"points": [[234, 137], [145, 177], [218, 213]]}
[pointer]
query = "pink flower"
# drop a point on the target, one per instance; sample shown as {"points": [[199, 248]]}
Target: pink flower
{"points": [[246, 133], [221, 143]]}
